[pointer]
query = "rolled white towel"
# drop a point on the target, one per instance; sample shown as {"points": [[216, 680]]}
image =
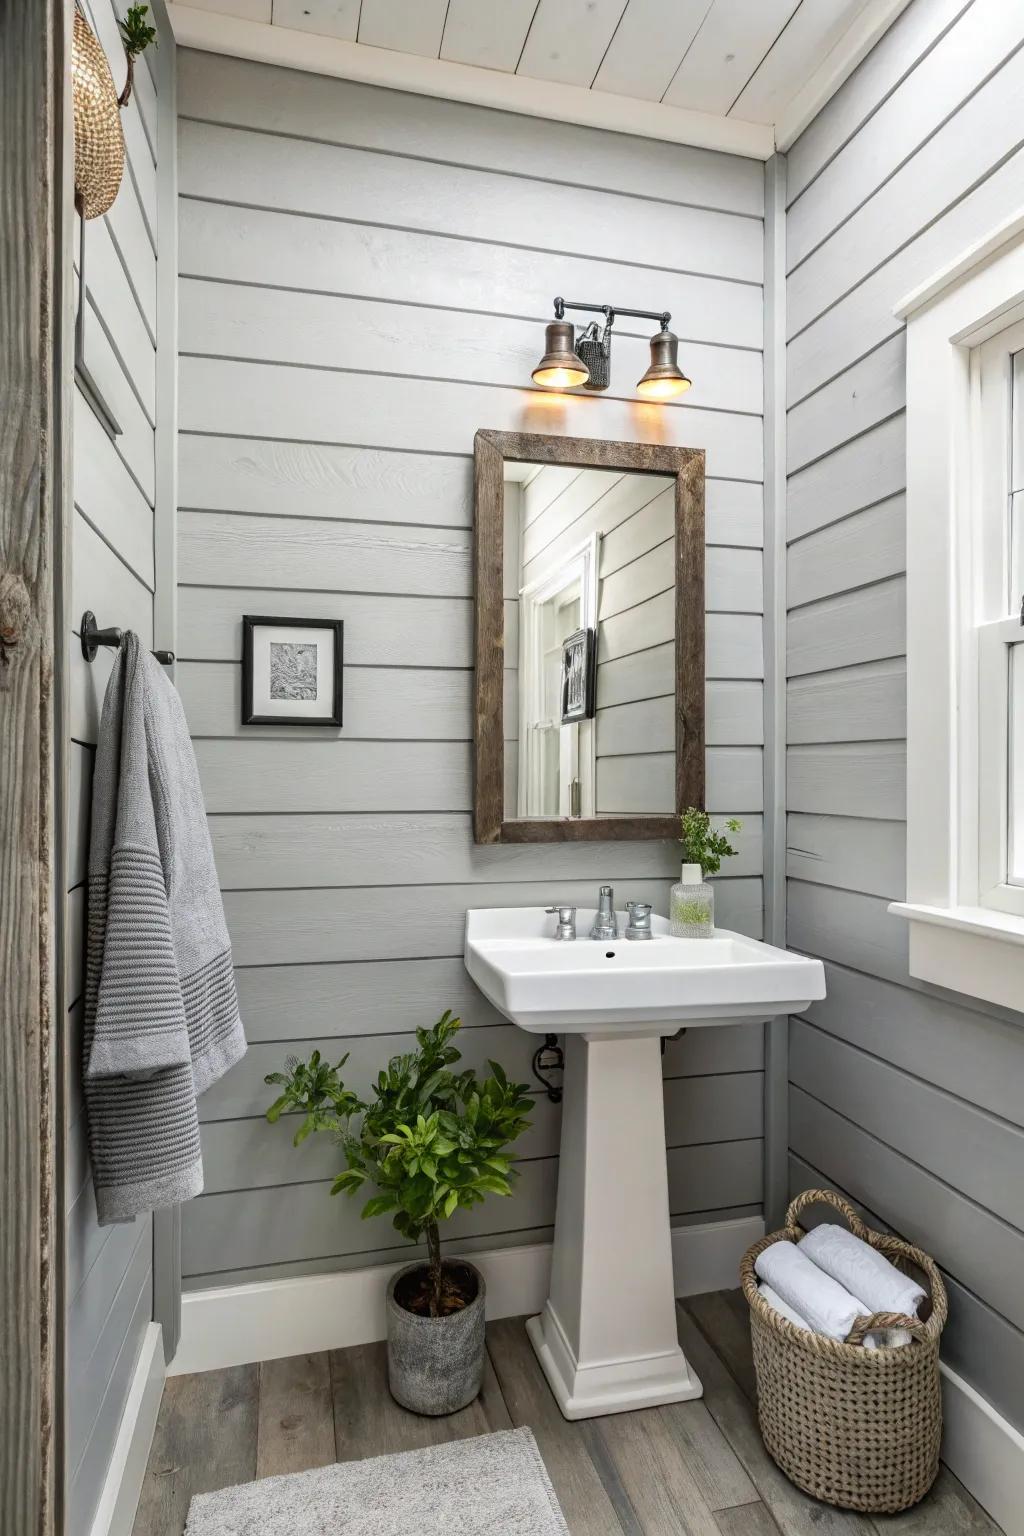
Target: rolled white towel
{"points": [[827, 1306], [867, 1274], [775, 1300]]}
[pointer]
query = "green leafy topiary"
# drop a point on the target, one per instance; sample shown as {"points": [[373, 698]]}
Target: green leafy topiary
{"points": [[136, 36], [430, 1141], [703, 846]]}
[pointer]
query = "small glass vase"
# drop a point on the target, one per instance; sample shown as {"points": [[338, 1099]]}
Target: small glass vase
{"points": [[692, 905]]}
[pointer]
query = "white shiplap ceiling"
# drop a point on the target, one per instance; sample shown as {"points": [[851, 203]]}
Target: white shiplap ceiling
{"points": [[664, 68]]}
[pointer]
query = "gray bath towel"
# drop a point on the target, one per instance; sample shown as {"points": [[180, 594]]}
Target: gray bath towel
{"points": [[161, 1013]]}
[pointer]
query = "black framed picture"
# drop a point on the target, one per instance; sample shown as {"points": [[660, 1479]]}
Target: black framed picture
{"points": [[579, 676], [291, 671]]}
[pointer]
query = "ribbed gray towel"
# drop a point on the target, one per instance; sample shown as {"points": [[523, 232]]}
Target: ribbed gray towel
{"points": [[161, 1012]]}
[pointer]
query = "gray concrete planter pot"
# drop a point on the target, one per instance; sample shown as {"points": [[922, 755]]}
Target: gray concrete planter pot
{"points": [[436, 1364]]}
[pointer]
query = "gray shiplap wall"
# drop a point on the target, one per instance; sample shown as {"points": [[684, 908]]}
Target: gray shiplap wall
{"points": [[109, 1289], [364, 279], [908, 1099]]}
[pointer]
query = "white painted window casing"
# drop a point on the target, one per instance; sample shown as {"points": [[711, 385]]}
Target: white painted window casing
{"points": [[965, 587]]}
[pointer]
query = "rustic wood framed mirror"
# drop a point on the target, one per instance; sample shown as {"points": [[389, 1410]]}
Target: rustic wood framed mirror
{"points": [[589, 638]]}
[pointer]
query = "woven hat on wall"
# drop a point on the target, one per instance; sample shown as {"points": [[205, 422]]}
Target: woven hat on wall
{"points": [[99, 140]]}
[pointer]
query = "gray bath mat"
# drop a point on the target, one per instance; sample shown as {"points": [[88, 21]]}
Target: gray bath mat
{"points": [[489, 1485]]}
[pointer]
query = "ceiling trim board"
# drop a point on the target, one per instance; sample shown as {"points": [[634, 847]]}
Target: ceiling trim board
{"points": [[836, 68], [215, 33]]}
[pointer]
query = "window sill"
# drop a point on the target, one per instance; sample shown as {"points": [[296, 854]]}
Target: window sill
{"points": [[973, 950]]}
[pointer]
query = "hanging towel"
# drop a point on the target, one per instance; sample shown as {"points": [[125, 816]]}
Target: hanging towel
{"points": [[866, 1273], [828, 1308], [775, 1300], [161, 1013]]}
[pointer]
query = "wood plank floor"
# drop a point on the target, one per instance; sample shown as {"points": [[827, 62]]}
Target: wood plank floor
{"points": [[690, 1469]]}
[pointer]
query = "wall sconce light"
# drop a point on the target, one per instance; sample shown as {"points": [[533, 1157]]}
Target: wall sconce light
{"points": [[569, 360], [561, 367]]}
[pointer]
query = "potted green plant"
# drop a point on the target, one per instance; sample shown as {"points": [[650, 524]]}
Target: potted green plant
{"points": [[692, 902], [431, 1141]]}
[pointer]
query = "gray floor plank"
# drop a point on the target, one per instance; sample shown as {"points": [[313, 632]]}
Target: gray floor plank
{"points": [[656, 1477], [746, 1520], [587, 1506], [368, 1421], [688, 1433], [724, 1318], [296, 1415], [205, 1439]]}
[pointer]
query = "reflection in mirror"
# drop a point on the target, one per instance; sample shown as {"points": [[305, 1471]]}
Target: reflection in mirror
{"points": [[589, 565]]}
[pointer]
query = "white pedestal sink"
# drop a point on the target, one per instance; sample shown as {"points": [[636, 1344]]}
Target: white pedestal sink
{"points": [[607, 1337]]}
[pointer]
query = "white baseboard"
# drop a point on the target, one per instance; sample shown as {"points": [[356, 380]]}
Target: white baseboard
{"points": [[984, 1451], [119, 1500], [238, 1324]]}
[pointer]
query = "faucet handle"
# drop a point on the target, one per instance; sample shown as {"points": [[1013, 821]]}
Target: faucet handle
{"points": [[639, 926], [566, 914]]}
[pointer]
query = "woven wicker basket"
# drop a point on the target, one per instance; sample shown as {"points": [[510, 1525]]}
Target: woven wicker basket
{"points": [[854, 1427], [99, 139]]}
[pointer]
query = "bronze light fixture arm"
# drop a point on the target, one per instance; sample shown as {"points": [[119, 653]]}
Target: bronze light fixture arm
{"points": [[612, 311]]}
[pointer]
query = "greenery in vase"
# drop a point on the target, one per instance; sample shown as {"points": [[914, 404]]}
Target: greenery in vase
{"points": [[703, 846], [430, 1140], [693, 913], [136, 36]]}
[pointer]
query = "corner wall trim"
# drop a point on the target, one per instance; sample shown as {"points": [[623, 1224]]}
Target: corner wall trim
{"points": [[239, 1324], [119, 1499], [776, 1040], [984, 1451]]}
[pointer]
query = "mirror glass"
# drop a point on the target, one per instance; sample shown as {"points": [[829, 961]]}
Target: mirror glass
{"points": [[590, 613]]}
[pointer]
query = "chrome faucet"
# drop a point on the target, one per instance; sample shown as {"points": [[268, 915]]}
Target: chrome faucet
{"points": [[639, 925], [605, 926], [565, 928]]}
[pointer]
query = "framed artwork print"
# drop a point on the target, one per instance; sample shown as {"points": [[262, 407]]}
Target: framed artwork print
{"points": [[578, 676], [291, 671]]}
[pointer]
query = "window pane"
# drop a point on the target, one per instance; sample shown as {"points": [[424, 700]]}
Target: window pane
{"points": [[1015, 774]]}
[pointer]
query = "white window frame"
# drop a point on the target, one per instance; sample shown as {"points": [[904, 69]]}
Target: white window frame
{"points": [[578, 747], [998, 615], [966, 928]]}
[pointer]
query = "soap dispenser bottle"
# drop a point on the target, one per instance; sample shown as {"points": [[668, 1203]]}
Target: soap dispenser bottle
{"points": [[692, 905]]}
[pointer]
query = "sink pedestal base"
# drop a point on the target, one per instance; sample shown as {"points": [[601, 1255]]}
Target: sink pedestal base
{"points": [[607, 1338]]}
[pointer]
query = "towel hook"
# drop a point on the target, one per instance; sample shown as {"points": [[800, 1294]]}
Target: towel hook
{"points": [[93, 637]]}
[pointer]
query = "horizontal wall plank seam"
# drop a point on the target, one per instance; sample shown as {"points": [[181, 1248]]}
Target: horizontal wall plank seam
{"points": [[437, 378], [114, 551], [965, 1004], [796, 400], [861, 122], [921, 1168], [355, 522], [132, 286], [445, 234], [522, 1162], [957, 108], [461, 165], [446, 309], [905, 1072], [902, 246], [844, 442], [840, 591], [120, 360], [813, 533]]}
